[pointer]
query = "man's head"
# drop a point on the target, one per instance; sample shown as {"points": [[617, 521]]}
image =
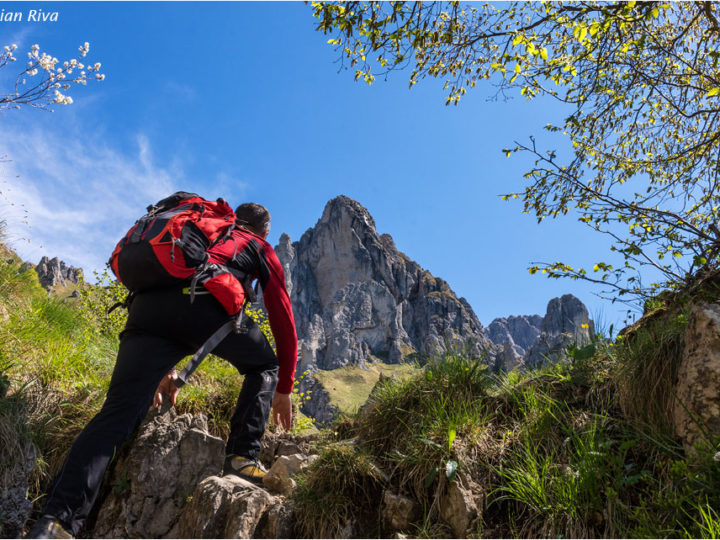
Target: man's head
{"points": [[254, 217]]}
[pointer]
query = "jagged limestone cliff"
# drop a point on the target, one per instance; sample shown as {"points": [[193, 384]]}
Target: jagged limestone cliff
{"points": [[531, 340], [356, 298]]}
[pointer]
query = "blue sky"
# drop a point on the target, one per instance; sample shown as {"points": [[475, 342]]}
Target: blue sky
{"points": [[244, 100]]}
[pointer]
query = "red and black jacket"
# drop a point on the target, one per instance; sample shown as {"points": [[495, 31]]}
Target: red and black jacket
{"points": [[250, 254]]}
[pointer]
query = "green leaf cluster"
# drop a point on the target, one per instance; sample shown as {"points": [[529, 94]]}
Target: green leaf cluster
{"points": [[640, 80]]}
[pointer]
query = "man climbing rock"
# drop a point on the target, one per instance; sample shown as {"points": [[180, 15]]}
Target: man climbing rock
{"points": [[164, 325]]}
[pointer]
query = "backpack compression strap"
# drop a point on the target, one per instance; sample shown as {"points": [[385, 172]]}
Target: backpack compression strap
{"points": [[234, 324]]}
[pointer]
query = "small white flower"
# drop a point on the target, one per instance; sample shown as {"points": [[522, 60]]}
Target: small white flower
{"points": [[716, 457], [100, 76], [32, 72], [96, 67]]}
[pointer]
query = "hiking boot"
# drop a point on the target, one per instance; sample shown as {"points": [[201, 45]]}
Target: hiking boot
{"points": [[48, 527], [245, 468]]}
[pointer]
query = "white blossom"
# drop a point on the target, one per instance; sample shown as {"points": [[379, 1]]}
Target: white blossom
{"points": [[48, 89]]}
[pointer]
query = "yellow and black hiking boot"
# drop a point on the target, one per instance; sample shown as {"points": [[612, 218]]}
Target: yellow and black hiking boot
{"points": [[245, 468], [48, 527]]}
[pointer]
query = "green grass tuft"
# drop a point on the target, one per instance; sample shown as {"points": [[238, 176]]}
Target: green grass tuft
{"points": [[339, 495]]}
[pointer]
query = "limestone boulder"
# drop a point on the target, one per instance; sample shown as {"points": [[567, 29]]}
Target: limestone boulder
{"points": [[274, 445], [279, 479], [398, 512], [154, 480], [225, 507], [698, 384], [280, 522], [461, 507], [15, 507]]}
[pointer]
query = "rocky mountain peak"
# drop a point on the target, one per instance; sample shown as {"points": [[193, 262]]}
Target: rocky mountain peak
{"points": [[356, 298], [342, 208]]}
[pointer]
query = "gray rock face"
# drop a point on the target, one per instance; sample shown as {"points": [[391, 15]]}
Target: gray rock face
{"points": [[52, 272], [15, 507], [165, 485], [698, 385], [151, 484], [279, 479], [356, 298], [318, 406], [225, 507], [398, 512], [462, 506], [521, 331], [566, 321]]}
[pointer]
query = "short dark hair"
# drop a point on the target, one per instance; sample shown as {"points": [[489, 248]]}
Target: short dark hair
{"points": [[253, 216]]}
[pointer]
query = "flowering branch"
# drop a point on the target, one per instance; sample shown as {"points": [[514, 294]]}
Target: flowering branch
{"points": [[44, 80]]}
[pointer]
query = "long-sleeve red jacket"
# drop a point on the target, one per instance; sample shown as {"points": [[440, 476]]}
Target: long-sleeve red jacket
{"points": [[252, 255]]}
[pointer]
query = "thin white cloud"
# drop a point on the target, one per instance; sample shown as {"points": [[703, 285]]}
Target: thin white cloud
{"points": [[72, 197], [70, 193]]}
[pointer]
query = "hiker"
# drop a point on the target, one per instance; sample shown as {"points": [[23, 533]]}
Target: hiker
{"points": [[163, 327]]}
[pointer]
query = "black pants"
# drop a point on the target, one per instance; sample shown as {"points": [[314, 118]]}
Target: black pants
{"points": [[162, 328]]}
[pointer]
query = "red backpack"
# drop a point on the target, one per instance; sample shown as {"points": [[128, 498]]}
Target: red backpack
{"points": [[168, 246]]}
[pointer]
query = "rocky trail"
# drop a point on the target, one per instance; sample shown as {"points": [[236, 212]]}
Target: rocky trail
{"points": [[168, 484]]}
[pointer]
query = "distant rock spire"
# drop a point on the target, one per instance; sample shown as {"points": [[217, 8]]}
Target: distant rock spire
{"points": [[53, 272]]}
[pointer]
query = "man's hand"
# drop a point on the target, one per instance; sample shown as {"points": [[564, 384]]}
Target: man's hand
{"points": [[282, 410], [166, 388]]}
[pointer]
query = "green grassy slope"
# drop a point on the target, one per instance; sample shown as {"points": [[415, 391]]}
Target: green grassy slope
{"points": [[56, 358], [579, 449], [349, 387]]}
